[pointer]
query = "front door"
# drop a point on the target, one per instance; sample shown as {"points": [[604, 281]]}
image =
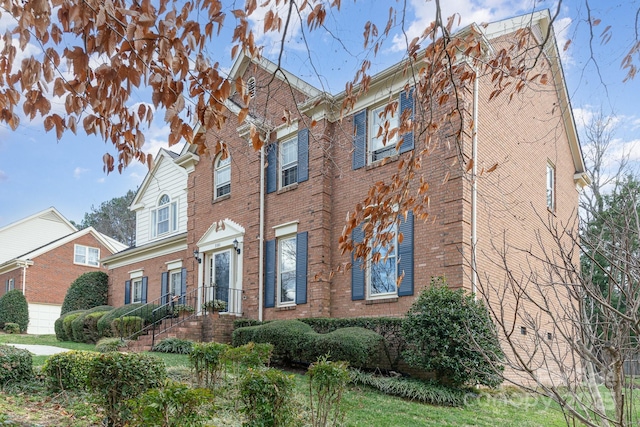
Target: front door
{"points": [[219, 280]]}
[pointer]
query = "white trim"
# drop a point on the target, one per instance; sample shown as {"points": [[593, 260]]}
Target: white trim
{"points": [[174, 265], [286, 228], [167, 246], [86, 255], [280, 240], [136, 274]]}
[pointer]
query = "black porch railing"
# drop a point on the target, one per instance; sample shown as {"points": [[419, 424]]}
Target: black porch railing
{"points": [[169, 311]]}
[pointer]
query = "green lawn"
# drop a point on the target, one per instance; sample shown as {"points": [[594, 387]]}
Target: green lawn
{"points": [[363, 406]]}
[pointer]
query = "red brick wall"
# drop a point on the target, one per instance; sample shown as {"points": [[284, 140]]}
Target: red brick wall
{"points": [[53, 272]]}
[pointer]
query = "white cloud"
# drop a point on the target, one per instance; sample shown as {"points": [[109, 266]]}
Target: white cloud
{"points": [[561, 29], [78, 172], [272, 41], [101, 180], [469, 11]]}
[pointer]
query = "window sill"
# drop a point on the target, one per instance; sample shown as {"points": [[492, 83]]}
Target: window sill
{"points": [[382, 162], [381, 300], [288, 188], [221, 198], [286, 308]]}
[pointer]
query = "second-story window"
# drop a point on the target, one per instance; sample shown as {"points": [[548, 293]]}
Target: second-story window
{"points": [[222, 176], [164, 218], [86, 255], [288, 162], [380, 122]]}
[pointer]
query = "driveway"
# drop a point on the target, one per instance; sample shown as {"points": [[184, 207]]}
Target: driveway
{"points": [[40, 350]]}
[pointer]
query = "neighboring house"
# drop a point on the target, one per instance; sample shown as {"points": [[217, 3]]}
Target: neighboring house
{"points": [[265, 225], [42, 255], [155, 266]]}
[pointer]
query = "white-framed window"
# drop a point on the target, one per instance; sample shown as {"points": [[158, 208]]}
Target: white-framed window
{"points": [[136, 290], [222, 176], [164, 219], [287, 270], [86, 255], [288, 162], [551, 186], [378, 148], [175, 282], [382, 266], [10, 284]]}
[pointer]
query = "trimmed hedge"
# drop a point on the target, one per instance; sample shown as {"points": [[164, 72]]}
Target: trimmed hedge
{"points": [[59, 328], [360, 347], [145, 311], [66, 324], [118, 377], [68, 370], [14, 309], [127, 326], [15, 364], [174, 345], [84, 328], [87, 291], [389, 327], [289, 338]]}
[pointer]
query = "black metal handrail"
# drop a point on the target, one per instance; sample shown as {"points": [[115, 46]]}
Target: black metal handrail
{"points": [[169, 311]]}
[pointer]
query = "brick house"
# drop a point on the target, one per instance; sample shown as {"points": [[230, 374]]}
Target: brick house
{"points": [[42, 255], [265, 225]]}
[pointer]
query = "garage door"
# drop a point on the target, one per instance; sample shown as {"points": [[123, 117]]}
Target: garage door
{"points": [[42, 318]]}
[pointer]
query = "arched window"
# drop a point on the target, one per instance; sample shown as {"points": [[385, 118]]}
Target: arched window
{"points": [[164, 218], [251, 87], [222, 176]]}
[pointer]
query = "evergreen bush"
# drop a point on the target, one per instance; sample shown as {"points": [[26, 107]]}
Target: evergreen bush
{"points": [[206, 361], [11, 328], [58, 325], [66, 324], [268, 396], [116, 378], [15, 364], [68, 370], [127, 326], [451, 334], [174, 345], [289, 338], [327, 383], [358, 346], [87, 291], [14, 309], [107, 345], [104, 324], [84, 328]]}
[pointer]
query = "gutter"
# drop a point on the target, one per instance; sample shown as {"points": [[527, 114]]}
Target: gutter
{"points": [[261, 238], [474, 188]]}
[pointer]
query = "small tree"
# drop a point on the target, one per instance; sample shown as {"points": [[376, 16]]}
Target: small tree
{"points": [[14, 309], [87, 291], [443, 330]]}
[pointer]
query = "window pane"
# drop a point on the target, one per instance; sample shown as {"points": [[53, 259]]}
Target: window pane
{"points": [[287, 269], [223, 177], [376, 142], [94, 255], [137, 291], [163, 200], [289, 176], [289, 150], [163, 220], [80, 256], [383, 274], [175, 283]]}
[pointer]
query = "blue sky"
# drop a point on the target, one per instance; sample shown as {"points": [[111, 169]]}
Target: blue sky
{"points": [[37, 172]]}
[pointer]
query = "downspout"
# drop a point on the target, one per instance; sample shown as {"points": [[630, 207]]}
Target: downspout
{"points": [[261, 238], [474, 188], [25, 265]]}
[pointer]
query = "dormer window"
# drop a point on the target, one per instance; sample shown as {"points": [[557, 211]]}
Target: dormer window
{"points": [[164, 218]]}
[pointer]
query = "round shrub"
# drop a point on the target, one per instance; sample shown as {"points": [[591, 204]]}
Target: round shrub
{"points": [[14, 309], [59, 328], [144, 311], [68, 370], [87, 291], [117, 377], [451, 334], [287, 336], [127, 326], [359, 347], [11, 328], [84, 328], [66, 325], [15, 364]]}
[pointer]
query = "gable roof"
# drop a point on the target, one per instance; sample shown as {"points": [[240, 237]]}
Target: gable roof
{"points": [[162, 156], [33, 232]]}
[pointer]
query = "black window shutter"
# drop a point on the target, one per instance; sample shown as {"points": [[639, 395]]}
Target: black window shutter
{"points": [[145, 282], [357, 270], [301, 267], [127, 292], [183, 285], [406, 102], [360, 139], [303, 155], [164, 288], [405, 254], [272, 167], [270, 274]]}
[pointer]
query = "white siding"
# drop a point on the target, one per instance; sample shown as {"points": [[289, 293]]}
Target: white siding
{"points": [[29, 234], [168, 178]]}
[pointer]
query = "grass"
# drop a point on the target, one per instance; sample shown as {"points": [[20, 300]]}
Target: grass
{"points": [[32, 405]]}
